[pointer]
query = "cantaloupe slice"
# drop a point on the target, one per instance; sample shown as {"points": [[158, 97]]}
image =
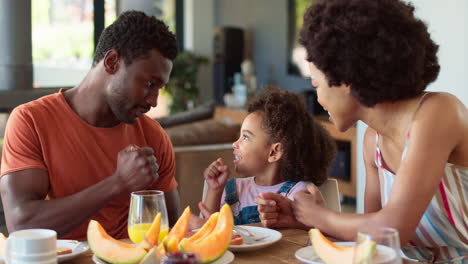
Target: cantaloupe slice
{"points": [[216, 243], [178, 232], [331, 253], [365, 251], [111, 250], [151, 257], [328, 251], [206, 229], [3, 239], [160, 251], [152, 235]]}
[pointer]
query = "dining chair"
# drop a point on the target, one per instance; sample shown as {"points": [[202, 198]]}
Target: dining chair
{"points": [[329, 190], [331, 194]]}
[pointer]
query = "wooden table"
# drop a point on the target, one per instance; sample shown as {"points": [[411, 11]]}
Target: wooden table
{"points": [[280, 252]]}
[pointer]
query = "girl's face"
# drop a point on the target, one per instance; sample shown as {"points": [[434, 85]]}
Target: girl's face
{"points": [[252, 149], [337, 100]]}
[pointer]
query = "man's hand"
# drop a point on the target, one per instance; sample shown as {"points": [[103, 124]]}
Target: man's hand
{"points": [[137, 168], [275, 210], [217, 174], [305, 202]]}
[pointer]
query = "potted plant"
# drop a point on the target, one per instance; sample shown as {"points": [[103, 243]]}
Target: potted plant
{"points": [[182, 85]]}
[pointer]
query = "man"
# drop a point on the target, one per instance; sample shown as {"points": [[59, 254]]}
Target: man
{"points": [[76, 155]]}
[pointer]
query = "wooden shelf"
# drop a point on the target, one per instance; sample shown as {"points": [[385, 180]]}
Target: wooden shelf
{"points": [[347, 188]]}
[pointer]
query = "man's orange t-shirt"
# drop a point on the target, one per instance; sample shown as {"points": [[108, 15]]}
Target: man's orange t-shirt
{"points": [[47, 134]]}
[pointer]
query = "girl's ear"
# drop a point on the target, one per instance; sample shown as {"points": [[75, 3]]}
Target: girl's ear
{"points": [[276, 152]]}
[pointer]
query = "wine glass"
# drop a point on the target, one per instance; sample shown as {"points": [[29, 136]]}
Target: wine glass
{"points": [[144, 206], [387, 246]]}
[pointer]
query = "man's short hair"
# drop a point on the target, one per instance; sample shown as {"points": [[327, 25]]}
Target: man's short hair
{"points": [[133, 35]]}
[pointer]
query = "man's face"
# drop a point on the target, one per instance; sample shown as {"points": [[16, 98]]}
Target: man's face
{"points": [[134, 88]]}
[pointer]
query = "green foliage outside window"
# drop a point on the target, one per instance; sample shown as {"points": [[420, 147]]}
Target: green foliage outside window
{"points": [[182, 85], [61, 32]]}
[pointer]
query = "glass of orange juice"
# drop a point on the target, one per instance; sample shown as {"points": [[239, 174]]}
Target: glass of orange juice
{"points": [[144, 206]]}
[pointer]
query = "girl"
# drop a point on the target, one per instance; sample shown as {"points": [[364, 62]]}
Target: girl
{"points": [[281, 145]]}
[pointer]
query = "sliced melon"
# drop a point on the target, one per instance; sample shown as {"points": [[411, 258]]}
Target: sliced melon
{"points": [[151, 257], [216, 243], [160, 251], [331, 253], [206, 229], [365, 251], [111, 250], [328, 251], [178, 232], [3, 239], [152, 235]]}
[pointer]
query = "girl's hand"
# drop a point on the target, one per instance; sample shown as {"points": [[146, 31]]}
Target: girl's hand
{"points": [[275, 211], [305, 202], [217, 174]]}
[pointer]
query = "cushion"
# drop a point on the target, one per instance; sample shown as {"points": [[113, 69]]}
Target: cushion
{"points": [[199, 113], [210, 131]]}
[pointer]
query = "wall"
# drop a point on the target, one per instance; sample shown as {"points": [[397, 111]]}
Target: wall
{"points": [[266, 24], [448, 25], [198, 36], [267, 20]]}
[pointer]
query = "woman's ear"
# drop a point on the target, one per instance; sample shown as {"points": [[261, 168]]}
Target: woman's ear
{"points": [[276, 152]]}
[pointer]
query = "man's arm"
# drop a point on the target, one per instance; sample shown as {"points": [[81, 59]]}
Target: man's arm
{"points": [[173, 206], [23, 193]]}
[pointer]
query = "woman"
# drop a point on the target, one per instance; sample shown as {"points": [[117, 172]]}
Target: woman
{"points": [[371, 60]]}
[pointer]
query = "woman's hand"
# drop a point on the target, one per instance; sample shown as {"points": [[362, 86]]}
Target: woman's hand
{"points": [[304, 204], [217, 174], [275, 211]]}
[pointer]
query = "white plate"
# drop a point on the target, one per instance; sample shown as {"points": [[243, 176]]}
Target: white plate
{"points": [[77, 248], [226, 258], [272, 237], [308, 255]]}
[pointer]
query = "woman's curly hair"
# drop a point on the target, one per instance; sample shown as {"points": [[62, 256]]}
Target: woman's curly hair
{"points": [[133, 35], [377, 47], [308, 148]]}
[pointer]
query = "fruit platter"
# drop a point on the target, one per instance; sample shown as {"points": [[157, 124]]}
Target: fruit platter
{"points": [[208, 244]]}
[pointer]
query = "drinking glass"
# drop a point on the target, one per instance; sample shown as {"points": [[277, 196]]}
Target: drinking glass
{"points": [[387, 248], [144, 206]]}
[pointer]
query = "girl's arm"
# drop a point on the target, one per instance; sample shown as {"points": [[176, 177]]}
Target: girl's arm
{"points": [[212, 200], [216, 176], [437, 130]]}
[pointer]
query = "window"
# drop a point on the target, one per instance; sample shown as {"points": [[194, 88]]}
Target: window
{"points": [[63, 39], [297, 64]]}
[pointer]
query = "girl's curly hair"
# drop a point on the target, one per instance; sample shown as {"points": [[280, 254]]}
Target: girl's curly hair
{"points": [[377, 47], [309, 149]]}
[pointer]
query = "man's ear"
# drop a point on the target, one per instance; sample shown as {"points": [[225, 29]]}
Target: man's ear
{"points": [[111, 61], [276, 152]]}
